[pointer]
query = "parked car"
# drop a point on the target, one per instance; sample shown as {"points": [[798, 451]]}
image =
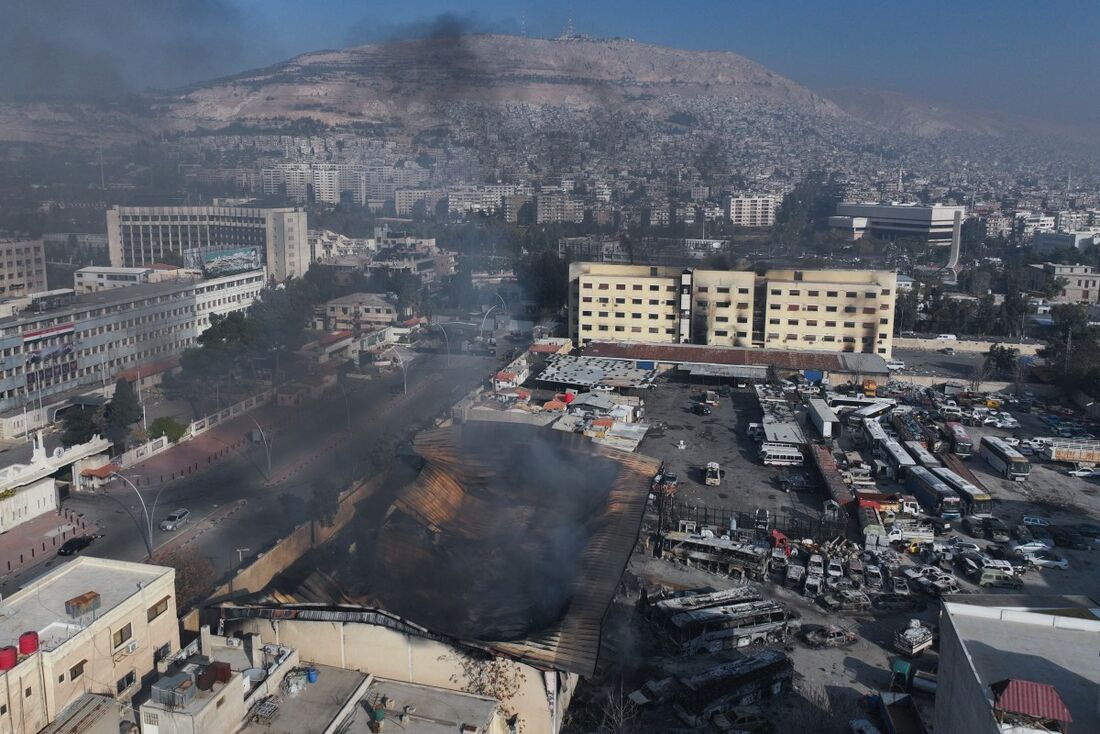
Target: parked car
{"points": [[700, 409], [1035, 521], [1079, 472], [1069, 538], [176, 520], [997, 577], [996, 530], [949, 351], [1047, 559], [1025, 549], [829, 636], [1042, 535], [72, 546], [899, 586], [895, 364], [958, 545]]}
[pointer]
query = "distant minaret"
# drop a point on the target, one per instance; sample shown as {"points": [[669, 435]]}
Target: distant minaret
{"points": [[568, 27], [523, 25]]}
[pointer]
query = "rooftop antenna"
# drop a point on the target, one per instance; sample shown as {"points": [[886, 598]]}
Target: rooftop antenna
{"points": [[568, 27], [523, 25], [102, 178]]}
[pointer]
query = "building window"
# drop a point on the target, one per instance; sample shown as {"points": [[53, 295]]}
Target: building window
{"points": [[77, 670], [620, 300], [27, 693], [813, 294], [620, 328], [830, 309], [162, 652], [151, 718], [121, 635], [743, 291], [125, 682], [811, 308], [795, 293], [792, 322], [620, 286], [586, 313], [830, 324], [885, 291], [774, 321], [721, 333], [158, 609], [722, 319], [654, 330], [723, 289], [776, 292], [703, 289], [849, 324], [742, 334], [831, 294]]}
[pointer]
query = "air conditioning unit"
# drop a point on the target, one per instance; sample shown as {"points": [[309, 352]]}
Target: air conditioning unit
{"points": [[131, 647]]}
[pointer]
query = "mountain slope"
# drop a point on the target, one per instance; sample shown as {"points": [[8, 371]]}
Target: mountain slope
{"points": [[397, 82]]}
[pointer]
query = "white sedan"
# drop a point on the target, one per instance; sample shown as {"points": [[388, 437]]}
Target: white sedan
{"points": [[1046, 559], [1080, 472]]}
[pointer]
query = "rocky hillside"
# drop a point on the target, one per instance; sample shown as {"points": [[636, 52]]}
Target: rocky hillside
{"points": [[401, 82]]}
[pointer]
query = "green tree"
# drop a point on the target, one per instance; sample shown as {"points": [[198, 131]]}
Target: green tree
{"points": [[167, 426], [1001, 359], [122, 412], [80, 424]]}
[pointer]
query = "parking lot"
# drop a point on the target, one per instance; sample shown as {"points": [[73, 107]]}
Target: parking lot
{"points": [[847, 672]]}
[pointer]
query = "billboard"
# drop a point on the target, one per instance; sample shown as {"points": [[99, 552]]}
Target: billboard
{"points": [[215, 263]]}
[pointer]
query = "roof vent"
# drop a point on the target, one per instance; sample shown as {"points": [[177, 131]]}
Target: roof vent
{"points": [[86, 603]]}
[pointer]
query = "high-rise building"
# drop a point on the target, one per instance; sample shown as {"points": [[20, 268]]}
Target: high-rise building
{"points": [[190, 235], [752, 211], [933, 223], [821, 310], [22, 267]]}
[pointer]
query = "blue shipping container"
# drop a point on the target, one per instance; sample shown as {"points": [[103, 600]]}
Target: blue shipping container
{"points": [[813, 375], [646, 365]]}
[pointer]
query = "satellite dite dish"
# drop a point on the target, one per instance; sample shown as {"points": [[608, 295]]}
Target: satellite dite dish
{"points": [[58, 452]]}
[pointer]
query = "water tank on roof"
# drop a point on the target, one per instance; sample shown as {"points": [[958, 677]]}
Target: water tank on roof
{"points": [[28, 643], [9, 656]]}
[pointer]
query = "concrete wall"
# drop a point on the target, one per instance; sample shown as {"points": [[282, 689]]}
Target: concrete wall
{"points": [[386, 653], [964, 345], [28, 502], [256, 575], [962, 707]]}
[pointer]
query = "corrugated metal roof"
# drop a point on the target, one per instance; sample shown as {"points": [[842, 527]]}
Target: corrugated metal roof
{"points": [[1028, 698], [688, 354]]}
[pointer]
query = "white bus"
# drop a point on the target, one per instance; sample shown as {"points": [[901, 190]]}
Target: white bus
{"points": [[1009, 462], [975, 502], [875, 410], [922, 455], [781, 454], [873, 434], [896, 458]]}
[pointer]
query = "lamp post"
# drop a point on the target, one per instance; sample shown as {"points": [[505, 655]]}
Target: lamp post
{"points": [[267, 446], [483, 319], [150, 512], [446, 341]]}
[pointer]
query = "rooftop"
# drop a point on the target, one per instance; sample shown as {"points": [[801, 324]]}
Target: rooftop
{"points": [[370, 299], [315, 707], [104, 298], [590, 371], [40, 605], [1051, 643], [434, 710], [691, 354]]}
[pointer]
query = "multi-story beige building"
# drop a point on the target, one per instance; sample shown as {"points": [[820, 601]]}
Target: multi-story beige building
{"points": [[22, 267], [356, 312], [823, 310], [752, 211], [1080, 283], [91, 626]]}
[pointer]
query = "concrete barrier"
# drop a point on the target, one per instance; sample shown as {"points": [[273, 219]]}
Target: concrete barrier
{"points": [[964, 345]]}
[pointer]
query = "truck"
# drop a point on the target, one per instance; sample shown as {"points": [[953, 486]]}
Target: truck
{"points": [[1072, 451], [713, 474], [889, 504], [899, 713], [913, 639], [904, 532], [710, 397]]}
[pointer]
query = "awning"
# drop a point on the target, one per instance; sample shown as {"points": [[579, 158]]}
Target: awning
{"points": [[747, 372]]}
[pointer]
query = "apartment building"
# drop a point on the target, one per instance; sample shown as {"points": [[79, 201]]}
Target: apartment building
{"points": [[752, 211], [22, 267], [63, 342], [93, 278], [140, 236], [933, 223], [356, 312], [90, 626], [822, 310], [1081, 282], [551, 208], [405, 200]]}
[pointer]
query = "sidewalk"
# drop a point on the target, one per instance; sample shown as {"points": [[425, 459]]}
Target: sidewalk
{"points": [[37, 540]]}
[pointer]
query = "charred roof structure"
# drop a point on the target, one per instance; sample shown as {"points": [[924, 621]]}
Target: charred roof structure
{"points": [[511, 539]]}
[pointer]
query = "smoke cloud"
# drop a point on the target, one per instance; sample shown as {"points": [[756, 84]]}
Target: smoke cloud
{"points": [[111, 48]]}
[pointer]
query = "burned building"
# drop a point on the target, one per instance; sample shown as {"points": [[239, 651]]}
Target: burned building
{"points": [[506, 549]]}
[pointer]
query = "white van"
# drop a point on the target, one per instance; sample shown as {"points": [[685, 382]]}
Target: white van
{"points": [[946, 338], [781, 454], [895, 364]]}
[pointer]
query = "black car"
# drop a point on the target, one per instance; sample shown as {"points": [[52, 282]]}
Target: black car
{"points": [[72, 546], [1068, 538], [700, 409], [996, 530]]}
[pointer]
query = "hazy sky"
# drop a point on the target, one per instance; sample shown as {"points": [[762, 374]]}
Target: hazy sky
{"points": [[1037, 58]]}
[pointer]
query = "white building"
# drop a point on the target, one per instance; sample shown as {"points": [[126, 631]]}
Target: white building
{"points": [[94, 278], [933, 223], [752, 211], [140, 236]]}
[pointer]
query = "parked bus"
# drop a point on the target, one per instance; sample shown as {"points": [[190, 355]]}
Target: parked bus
{"points": [[897, 459], [781, 454], [1008, 462], [875, 410], [961, 445], [874, 434], [922, 455], [934, 495], [976, 502]]}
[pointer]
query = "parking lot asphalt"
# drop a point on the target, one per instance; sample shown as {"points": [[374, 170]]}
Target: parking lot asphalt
{"points": [[960, 366]]}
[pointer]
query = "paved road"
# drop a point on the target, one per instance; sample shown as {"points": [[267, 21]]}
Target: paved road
{"points": [[233, 507]]}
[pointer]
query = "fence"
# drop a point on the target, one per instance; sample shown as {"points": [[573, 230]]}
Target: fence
{"points": [[793, 526], [207, 422], [140, 453]]}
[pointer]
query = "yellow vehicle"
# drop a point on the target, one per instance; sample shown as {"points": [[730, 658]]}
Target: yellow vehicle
{"points": [[870, 388], [993, 404]]}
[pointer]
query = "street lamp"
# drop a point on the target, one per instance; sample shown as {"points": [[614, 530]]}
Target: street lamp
{"points": [[150, 513], [267, 446], [483, 319], [446, 341]]}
